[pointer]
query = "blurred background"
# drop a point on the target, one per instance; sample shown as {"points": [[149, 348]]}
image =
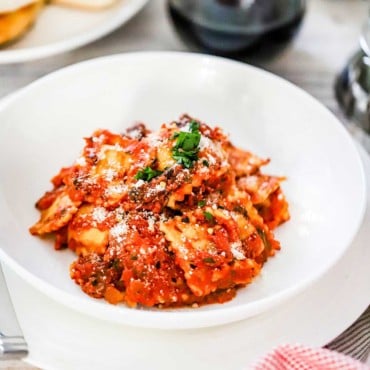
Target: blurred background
{"points": [[309, 43]]}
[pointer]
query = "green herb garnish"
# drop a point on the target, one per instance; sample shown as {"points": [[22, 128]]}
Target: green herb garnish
{"points": [[115, 264], [208, 260], [201, 203], [266, 242], [205, 163], [209, 216], [241, 210], [186, 149], [147, 174]]}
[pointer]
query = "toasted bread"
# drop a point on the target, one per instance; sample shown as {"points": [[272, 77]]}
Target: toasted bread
{"points": [[86, 4], [14, 24]]}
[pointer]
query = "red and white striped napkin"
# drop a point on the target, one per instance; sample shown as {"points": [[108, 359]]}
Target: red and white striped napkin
{"points": [[344, 353], [298, 357]]}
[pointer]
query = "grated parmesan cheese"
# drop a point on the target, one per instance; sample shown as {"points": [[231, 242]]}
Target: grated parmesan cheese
{"points": [[116, 189], [236, 251], [154, 141], [81, 161], [151, 223], [139, 183], [100, 214], [119, 231], [109, 174]]}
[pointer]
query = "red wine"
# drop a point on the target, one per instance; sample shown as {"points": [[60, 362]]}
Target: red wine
{"points": [[224, 28]]}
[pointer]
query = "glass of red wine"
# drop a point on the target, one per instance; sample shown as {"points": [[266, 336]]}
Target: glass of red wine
{"points": [[236, 27]]}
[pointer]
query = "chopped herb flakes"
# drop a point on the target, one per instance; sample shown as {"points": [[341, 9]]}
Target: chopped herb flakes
{"points": [[201, 203], [264, 238], [147, 174], [209, 216], [115, 264], [186, 148], [241, 210]]}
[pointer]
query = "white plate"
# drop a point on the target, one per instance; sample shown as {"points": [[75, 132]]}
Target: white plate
{"points": [[42, 128], [59, 29], [313, 318]]}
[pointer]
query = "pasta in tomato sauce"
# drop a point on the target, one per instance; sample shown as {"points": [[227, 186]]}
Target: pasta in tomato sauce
{"points": [[170, 218]]}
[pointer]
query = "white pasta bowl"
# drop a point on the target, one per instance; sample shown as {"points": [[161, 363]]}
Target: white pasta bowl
{"points": [[41, 130]]}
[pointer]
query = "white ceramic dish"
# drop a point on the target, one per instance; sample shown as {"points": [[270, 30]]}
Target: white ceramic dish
{"points": [[11, 5], [41, 130], [60, 338], [59, 29]]}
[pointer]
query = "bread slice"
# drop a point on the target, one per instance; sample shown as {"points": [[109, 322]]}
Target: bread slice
{"points": [[7, 6], [15, 23], [86, 4]]}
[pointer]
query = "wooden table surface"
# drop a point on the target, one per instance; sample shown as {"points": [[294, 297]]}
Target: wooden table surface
{"points": [[328, 37]]}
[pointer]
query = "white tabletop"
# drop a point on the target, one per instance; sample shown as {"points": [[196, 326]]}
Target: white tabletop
{"points": [[328, 37]]}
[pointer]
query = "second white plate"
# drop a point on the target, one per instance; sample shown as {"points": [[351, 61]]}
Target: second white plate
{"points": [[59, 29]]}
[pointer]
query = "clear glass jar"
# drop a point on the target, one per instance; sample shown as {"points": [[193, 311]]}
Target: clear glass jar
{"points": [[352, 87]]}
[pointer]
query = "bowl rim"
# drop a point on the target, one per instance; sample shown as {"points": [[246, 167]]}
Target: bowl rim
{"points": [[184, 319]]}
